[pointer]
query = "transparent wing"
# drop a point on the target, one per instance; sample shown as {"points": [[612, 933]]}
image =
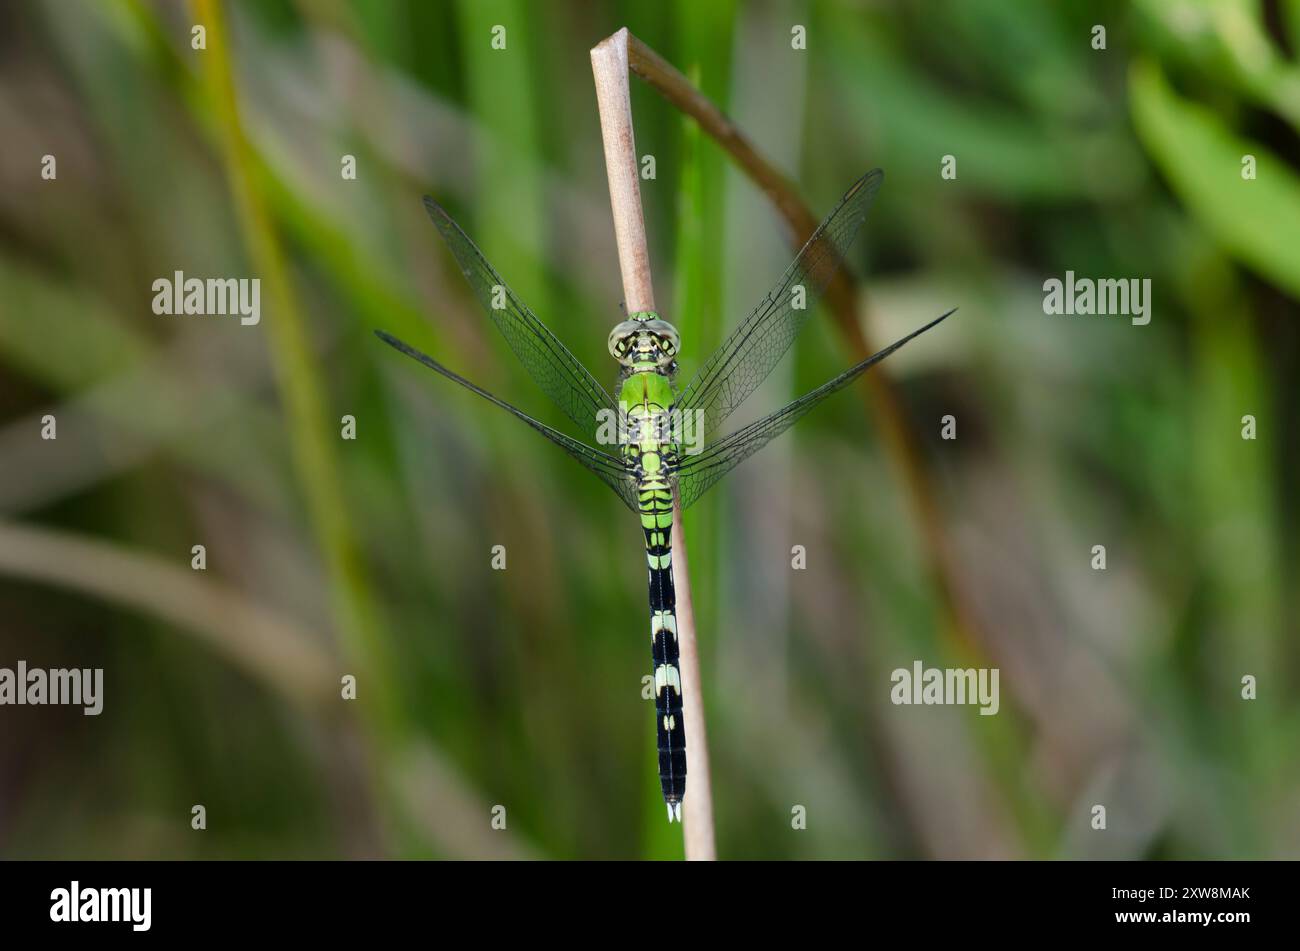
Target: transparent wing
{"points": [[697, 473], [746, 357], [557, 371], [609, 469]]}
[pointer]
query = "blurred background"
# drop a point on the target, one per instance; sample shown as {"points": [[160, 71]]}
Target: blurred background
{"points": [[521, 688]]}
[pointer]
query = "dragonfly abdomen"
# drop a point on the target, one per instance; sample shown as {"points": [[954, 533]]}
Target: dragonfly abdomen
{"points": [[647, 395], [656, 504]]}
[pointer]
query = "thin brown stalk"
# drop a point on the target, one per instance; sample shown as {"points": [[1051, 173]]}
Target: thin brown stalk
{"points": [[609, 66], [880, 396]]}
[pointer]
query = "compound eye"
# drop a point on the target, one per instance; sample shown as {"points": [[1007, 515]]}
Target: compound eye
{"points": [[622, 337], [668, 339]]}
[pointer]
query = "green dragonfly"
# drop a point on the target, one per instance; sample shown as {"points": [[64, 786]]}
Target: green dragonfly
{"points": [[654, 437]]}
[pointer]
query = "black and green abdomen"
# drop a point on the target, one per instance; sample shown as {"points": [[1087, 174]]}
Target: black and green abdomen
{"points": [[648, 398], [656, 501]]}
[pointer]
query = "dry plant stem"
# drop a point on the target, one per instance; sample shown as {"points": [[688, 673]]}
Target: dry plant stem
{"points": [[881, 396], [609, 66]]}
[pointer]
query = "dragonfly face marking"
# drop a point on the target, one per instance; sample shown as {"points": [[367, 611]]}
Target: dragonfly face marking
{"points": [[643, 343]]}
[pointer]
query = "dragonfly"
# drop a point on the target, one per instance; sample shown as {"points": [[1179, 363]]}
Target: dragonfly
{"points": [[648, 440]]}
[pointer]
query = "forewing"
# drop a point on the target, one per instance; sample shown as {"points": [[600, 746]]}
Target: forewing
{"points": [[748, 355], [557, 371], [696, 474], [607, 468]]}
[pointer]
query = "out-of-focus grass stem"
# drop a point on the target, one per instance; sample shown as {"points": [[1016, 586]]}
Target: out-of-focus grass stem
{"points": [[300, 384]]}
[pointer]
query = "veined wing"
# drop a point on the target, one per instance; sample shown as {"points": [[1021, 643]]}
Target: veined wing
{"points": [[609, 469], [557, 371], [748, 355], [697, 473]]}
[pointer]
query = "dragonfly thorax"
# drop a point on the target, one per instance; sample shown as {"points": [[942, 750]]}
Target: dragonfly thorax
{"points": [[643, 342]]}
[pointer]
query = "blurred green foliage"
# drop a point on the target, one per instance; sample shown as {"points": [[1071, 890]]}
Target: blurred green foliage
{"points": [[522, 687]]}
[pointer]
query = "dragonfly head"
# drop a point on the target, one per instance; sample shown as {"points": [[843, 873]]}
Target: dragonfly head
{"points": [[644, 339]]}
